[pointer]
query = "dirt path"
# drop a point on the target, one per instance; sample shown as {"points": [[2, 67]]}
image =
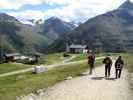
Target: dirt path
{"points": [[69, 59], [87, 87], [48, 67], [30, 69]]}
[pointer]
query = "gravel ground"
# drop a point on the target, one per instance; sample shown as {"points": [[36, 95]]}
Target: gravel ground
{"points": [[88, 87]]}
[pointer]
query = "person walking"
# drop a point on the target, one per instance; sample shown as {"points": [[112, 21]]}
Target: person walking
{"points": [[118, 67], [91, 61], [108, 63]]}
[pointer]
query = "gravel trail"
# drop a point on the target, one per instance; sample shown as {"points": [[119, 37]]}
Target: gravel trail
{"points": [[90, 87]]}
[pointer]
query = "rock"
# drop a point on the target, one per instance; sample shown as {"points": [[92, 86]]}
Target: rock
{"points": [[20, 97], [40, 92], [31, 98], [69, 78], [39, 69]]}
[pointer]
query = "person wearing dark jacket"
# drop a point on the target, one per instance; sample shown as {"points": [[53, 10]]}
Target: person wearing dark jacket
{"points": [[118, 67], [91, 61], [108, 63]]}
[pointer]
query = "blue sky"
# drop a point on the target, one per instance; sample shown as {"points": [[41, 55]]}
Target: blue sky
{"points": [[68, 10], [41, 7]]}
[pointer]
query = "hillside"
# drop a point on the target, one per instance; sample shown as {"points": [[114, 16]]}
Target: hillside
{"points": [[54, 28], [16, 36], [112, 31]]}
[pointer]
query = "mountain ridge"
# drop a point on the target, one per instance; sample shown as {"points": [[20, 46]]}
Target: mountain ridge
{"points": [[112, 32], [18, 37], [108, 32]]}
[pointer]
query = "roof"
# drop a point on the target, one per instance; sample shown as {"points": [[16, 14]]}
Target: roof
{"points": [[78, 46], [32, 54], [12, 54]]}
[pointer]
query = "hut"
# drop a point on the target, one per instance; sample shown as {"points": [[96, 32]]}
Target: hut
{"points": [[74, 48]]}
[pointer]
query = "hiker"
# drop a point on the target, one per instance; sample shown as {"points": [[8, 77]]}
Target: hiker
{"points": [[108, 63], [91, 61], [118, 67]]}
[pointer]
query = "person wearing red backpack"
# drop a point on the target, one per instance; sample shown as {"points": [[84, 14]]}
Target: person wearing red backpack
{"points": [[91, 61]]}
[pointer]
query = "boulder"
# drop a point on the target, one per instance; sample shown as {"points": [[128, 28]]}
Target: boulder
{"points": [[39, 69]]}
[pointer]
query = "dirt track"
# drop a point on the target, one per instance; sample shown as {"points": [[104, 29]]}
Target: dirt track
{"points": [[64, 62], [87, 87]]}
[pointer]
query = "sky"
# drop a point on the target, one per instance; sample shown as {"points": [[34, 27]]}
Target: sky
{"points": [[67, 10]]}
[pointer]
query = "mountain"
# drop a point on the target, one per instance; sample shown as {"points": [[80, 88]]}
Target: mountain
{"points": [[112, 31], [7, 18], [18, 37], [54, 28], [127, 5]]}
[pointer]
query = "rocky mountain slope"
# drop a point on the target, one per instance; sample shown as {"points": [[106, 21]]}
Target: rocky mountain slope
{"points": [[112, 31], [18, 37]]}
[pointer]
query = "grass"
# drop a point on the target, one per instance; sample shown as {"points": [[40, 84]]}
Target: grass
{"points": [[78, 57], [128, 58], [8, 67], [45, 59], [52, 58], [23, 84], [83, 56]]}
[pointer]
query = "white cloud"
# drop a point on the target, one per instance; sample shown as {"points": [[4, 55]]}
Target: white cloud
{"points": [[24, 16], [16, 4], [28, 14], [59, 2], [81, 10], [74, 10]]}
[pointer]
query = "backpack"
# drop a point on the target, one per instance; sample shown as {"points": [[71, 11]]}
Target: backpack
{"points": [[106, 61], [91, 59], [119, 66]]}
